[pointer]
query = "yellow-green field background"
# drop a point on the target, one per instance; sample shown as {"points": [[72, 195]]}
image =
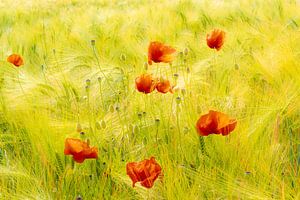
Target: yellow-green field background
{"points": [[254, 78]]}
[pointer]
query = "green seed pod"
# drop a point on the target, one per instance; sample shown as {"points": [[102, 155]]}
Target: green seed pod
{"points": [[78, 127], [103, 124]]}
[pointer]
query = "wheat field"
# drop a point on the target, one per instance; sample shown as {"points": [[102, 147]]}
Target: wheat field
{"points": [[81, 59]]}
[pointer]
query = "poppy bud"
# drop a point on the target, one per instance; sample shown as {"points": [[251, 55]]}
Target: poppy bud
{"points": [[93, 42], [88, 82], [97, 125], [135, 129], [79, 198], [99, 79], [123, 57], [144, 113], [103, 124], [82, 133], [88, 141], [54, 51], [186, 51], [183, 91], [236, 66], [178, 100], [78, 127], [146, 66], [188, 70], [117, 108], [111, 108]]}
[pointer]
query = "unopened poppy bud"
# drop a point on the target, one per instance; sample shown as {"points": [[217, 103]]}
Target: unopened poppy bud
{"points": [[140, 115], [97, 125], [99, 79], [122, 57], [78, 127], [236, 66], [181, 54], [103, 124], [186, 51], [183, 91], [178, 100], [82, 133], [188, 70], [54, 51], [146, 66], [117, 108], [93, 42], [88, 82], [135, 129], [144, 113], [157, 121], [111, 108], [88, 141], [79, 198]]}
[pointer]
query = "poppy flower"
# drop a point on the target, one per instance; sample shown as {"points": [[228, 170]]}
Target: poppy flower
{"points": [[15, 59], [164, 86], [215, 39], [158, 52], [215, 123], [145, 83], [146, 172], [79, 150]]}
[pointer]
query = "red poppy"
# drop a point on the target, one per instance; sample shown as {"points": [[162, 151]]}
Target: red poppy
{"points": [[158, 52], [146, 172], [145, 83], [215, 123], [79, 150], [15, 59], [215, 39], [164, 86]]}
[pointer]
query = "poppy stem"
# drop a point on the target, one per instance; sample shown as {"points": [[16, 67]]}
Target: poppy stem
{"points": [[202, 146]]}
